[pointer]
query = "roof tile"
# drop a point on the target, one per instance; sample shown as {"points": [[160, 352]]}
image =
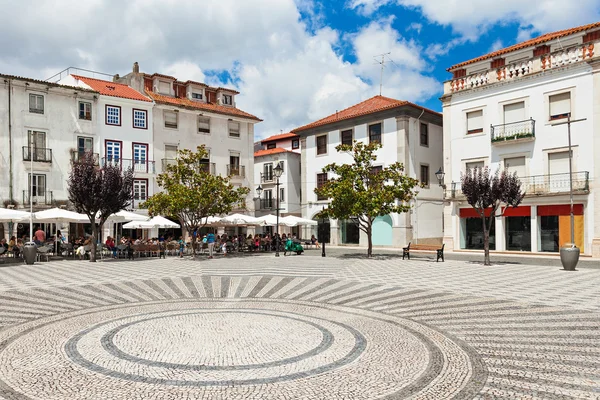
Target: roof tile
{"points": [[280, 136], [369, 106], [276, 150], [114, 89], [529, 43]]}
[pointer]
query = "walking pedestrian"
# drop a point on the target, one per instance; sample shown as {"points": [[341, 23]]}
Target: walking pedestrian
{"points": [[210, 241], [181, 246]]}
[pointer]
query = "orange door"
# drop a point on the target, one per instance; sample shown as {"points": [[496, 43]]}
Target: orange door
{"points": [[564, 230]]}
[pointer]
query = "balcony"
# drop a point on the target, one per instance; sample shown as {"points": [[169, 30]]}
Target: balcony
{"points": [[39, 198], [76, 155], [267, 204], [514, 132], [267, 177], [236, 171], [138, 201], [541, 185], [211, 168], [39, 154], [516, 70], [140, 166]]}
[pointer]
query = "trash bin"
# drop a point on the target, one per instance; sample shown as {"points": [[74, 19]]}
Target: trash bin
{"points": [[29, 253]]}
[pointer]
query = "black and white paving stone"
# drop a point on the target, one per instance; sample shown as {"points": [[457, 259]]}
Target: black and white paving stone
{"points": [[297, 328]]}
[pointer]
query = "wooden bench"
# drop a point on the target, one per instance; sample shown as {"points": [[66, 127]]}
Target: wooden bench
{"points": [[424, 247]]}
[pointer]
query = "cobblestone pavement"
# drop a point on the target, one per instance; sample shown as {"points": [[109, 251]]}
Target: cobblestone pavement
{"points": [[298, 327]]}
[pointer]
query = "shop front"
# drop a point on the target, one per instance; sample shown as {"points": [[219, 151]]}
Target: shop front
{"points": [[554, 226], [471, 228], [517, 225]]}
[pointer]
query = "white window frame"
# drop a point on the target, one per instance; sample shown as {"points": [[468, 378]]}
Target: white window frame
{"points": [[36, 185], [110, 115], [227, 99], [346, 130], [197, 96], [369, 132], [232, 132], [550, 106], [476, 131], [484, 160], [282, 195], [203, 120], [137, 113], [138, 184], [176, 114], [85, 104], [36, 103]]}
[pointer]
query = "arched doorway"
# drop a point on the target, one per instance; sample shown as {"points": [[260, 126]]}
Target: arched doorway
{"points": [[382, 231]]}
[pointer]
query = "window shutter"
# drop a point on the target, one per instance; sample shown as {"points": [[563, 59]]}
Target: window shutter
{"points": [[515, 164], [560, 104], [170, 119], [164, 87], [514, 112], [476, 164], [475, 121], [203, 125]]}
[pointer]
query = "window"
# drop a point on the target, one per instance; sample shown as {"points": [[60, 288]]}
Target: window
{"points": [[39, 151], [322, 144], [346, 137], [36, 103], [267, 199], [424, 135], [425, 175], [113, 152], [203, 124], [37, 187], [139, 119], [474, 122], [295, 144], [170, 119], [268, 172], [234, 129], [515, 164], [376, 169], [84, 144], [227, 99], [197, 96], [375, 133], [140, 154], [113, 115], [321, 180], [85, 110], [514, 112], [234, 164], [164, 87], [282, 195], [474, 164], [270, 146], [170, 152], [140, 189], [560, 106]]}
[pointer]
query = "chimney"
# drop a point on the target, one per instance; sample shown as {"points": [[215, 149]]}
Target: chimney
{"points": [[136, 68], [116, 78]]}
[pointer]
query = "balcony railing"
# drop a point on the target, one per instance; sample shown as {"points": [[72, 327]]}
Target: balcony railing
{"points": [[236, 170], [39, 198], [539, 185], [141, 166], [267, 204], [267, 177], [211, 168], [514, 132], [77, 155], [39, 154], [138, 201], [516, 70]]}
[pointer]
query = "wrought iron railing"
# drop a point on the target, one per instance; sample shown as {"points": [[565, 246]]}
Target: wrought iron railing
{"points": [[267, 177], [538, 185], [77, 155], [513, 131], [39, 197], [267, 204], [236, 170], [40, 154], [142, 166]]}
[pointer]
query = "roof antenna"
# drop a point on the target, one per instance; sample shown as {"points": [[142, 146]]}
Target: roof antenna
{"points": [[382, 62]]}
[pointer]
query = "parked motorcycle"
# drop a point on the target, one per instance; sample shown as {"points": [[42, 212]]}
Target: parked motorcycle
{"points": [[293, 246]]}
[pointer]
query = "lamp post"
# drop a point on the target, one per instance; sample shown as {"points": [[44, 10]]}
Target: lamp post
{"points": [[569, 255], [323, 236], [278, 171]]}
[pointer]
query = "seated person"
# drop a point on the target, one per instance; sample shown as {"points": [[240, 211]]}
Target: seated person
{"points": [[314, 241], [110, 244]]}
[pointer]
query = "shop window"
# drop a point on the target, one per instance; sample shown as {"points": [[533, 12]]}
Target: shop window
{"points": [[518, 233], [350, 232], [473, 234]]}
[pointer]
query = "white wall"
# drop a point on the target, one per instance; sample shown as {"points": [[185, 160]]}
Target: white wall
{"points": [[289, 182]]}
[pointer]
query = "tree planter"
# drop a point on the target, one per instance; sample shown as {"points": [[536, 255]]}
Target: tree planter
{"points": [[569, 256], [29, 253]]}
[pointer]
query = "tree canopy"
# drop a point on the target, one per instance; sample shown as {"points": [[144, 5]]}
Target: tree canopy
{"points": [[486, 193], [98, 192], [362, 192], [192, 194]]}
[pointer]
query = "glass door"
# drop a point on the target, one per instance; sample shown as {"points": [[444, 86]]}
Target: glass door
{"points": [[140, 153], [113, 153]]}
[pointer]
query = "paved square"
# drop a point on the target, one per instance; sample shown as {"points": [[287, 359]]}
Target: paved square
{"points": [[298, 327]]}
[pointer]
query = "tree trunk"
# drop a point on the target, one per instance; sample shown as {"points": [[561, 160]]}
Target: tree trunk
{"points": [[94, 240], [486, 243], [370, 239]]}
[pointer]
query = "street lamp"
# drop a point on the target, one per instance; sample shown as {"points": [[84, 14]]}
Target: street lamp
{"points": [[259, 191], [321, 230], [278, 171], [440, 177]]}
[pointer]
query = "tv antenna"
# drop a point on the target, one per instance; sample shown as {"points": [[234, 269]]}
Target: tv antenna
{"points": [[382, 63]]}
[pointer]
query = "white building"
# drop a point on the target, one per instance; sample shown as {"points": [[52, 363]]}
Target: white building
{"points": [[50, 123], [283, 150], [189, 114], [501, 110], [409, 134]]}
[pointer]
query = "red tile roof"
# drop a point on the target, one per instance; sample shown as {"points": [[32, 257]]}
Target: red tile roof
{"points": [[280, 136], [197, 105], [369, 106], [529, 43], [112, 88], [268, 152]]}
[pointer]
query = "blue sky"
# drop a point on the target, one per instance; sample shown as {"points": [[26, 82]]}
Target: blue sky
{"points": [[293, 61]]}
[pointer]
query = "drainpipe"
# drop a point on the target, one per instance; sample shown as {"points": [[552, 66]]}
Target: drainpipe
{"points": [[10, 152]]}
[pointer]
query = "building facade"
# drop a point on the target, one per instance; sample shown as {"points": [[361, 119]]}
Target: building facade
{"points": [[507, 110], [283, 150], [409, 134]]}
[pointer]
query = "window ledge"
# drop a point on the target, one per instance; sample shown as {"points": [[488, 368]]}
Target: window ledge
{"points": [[475, 135]]}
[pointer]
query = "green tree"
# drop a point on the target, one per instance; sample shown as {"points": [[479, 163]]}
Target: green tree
{"points": [[98, 192], [362, 192], [486, 193], [192, 194]]}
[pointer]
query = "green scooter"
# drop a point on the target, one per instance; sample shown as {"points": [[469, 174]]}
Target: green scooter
{"points": [[292, 246]]}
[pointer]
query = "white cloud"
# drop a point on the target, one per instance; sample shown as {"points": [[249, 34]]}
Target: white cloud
{"points": [[415, 26], [497, 45], [185, 70], [367, 7]]}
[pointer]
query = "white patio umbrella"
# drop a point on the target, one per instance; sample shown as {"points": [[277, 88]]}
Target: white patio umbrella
{"points": [[271, 220], [240, 219], [292, 220], [57, 215], [156, 222], [124, 215], [7, 215]]}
